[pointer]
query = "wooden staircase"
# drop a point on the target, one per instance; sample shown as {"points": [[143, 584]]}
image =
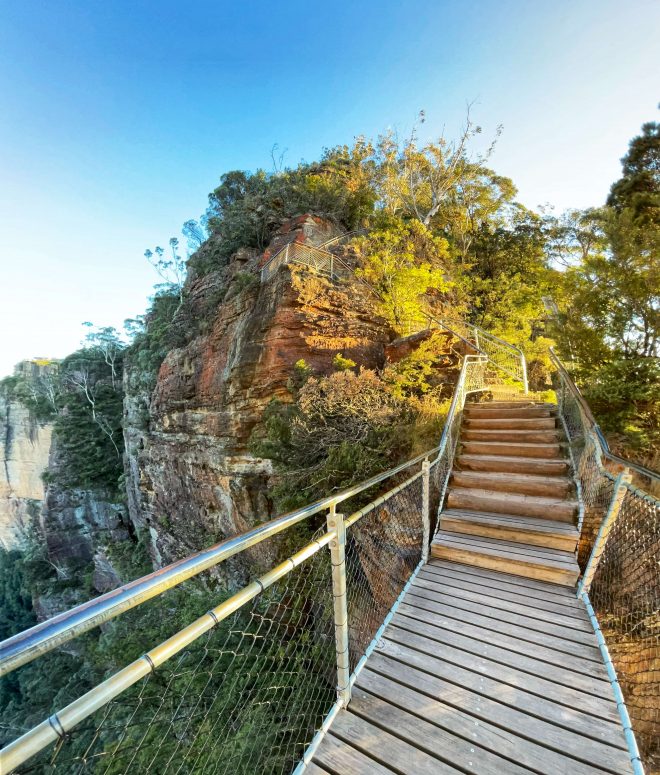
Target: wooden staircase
{"points": [[510, 505]]}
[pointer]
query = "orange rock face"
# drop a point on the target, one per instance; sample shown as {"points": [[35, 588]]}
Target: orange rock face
{"points": [[192, 480]]}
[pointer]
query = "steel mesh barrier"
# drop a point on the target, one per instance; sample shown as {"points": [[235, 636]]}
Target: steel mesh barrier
{"points": [[505, 357], [625, 595], [322, 261], [246, 697], [619, 556], [383, 549]]}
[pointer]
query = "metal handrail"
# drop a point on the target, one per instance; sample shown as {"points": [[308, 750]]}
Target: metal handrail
{"points": [[584, 406], [303, 247], [453, 325], [28, 645]]}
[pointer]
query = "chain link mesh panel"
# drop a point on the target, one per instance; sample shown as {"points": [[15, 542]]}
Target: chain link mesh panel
{"points": [[246, 697], [382, 551], [595, 484], [625, 594]]}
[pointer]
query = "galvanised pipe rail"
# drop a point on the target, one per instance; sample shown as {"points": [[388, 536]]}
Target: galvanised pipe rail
{"points": [[584, 406], [59, 724], [63, 721], [452, 325], [30, 644]]}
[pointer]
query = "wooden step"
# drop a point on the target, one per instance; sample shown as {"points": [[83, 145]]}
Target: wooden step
{"points": [[525, 484], [520, 465], [522, 404], [553, 565], [510, 448], [546, 436], [525, 412], [512, 503], [509, 527], [515, 423]]}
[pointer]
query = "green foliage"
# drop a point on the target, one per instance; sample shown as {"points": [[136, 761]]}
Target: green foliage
{"points": [[638, 189], [155, 335], [246, 208], [88, 427], [624, 394], [403, 263], [342, 429], [242, 281], [340, 363]]}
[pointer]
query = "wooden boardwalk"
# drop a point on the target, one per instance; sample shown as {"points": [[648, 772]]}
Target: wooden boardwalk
{"points": [[481, 672]]}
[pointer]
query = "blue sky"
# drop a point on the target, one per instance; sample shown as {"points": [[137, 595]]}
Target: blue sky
{"points": [[118, 117]]}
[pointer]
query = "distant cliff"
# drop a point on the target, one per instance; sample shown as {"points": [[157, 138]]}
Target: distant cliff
{"points": [[25, 445]]}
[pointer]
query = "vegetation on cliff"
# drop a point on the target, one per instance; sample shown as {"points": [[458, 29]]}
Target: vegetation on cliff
{"points": [[441, 233]]}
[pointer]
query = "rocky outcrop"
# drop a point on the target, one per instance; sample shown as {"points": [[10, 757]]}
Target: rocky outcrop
{"points": [[190, 475], [24, 450]]}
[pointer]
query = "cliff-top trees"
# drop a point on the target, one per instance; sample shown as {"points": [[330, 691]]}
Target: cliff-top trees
{"points": [[405, 266]]}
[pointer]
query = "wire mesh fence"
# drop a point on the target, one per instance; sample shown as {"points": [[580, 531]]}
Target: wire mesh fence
{"points": [[246, 697], [619, 537], [322, 261], [383, 549], [625, 594], [505, 357]]}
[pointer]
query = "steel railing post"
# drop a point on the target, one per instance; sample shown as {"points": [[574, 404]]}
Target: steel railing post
{"points": [[606, 525], [426, 509], [337, 524], [523, 365]]}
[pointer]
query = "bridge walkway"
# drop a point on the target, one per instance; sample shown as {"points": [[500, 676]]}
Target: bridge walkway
{"points": [[484, 672]]}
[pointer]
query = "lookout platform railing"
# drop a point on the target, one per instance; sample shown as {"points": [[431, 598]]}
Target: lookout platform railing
{"points": [[251, 679], [322, 261]]}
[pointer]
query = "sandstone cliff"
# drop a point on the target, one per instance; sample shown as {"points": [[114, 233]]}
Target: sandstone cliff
{"points": [[190, 477], [24, 450]]}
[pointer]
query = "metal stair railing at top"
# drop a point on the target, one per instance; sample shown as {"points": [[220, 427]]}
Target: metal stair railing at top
{"points": [[619, 555], [245, 687], [300, 253], [506, 357]]}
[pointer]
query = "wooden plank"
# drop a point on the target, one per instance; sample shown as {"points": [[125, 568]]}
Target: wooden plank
{"points": [[484, 648], [572, 718], [524, 634], [505, 548], [386, 748], [567, 606], [425, 700], [431, 739], [536, 506], [481, 577], [529, 587], [494, 559], [423, 581], [514, 520], [606, 747], [568, 662], [313, 769], [504, 673], [523, 465], [455, 599], [507, 531], [338, 756], [508, 448]]}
